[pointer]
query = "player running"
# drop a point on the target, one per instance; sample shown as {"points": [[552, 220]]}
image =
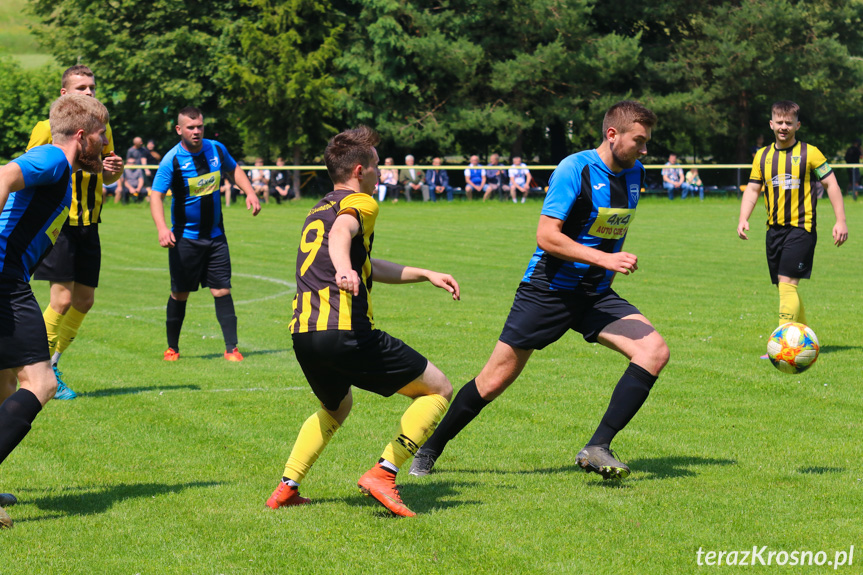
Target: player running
{"points": [[73, 265], [787, 171], [334, 333], [35, 195], [590, 204]]}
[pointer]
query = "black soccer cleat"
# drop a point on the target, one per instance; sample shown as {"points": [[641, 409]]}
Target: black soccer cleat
{"points": [[601, 460], [423, 463], [7, 500]]}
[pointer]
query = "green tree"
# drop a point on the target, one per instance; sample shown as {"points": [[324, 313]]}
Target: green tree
{"points": [[276, 65], [25, 96], [150, 59]]}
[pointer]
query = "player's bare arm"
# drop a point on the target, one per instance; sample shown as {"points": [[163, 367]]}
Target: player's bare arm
{"points": [[392, 273], [112, 168], [747, 204], [241, 180], [550, 237], [343, 231], [166, 236], [834, 193], [11, 180]]}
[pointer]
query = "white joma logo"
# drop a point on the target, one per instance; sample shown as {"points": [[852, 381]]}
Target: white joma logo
{"points": [[186, 165], [598, 186]]}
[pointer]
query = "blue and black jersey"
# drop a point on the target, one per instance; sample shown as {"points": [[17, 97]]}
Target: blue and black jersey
{"points": [[194, 181], [33, 216], [597, 206]]}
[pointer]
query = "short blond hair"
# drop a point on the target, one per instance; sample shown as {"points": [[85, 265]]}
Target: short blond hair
{"points": [[72, 112]]}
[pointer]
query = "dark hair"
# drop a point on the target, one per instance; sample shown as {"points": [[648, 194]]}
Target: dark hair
{"points": [[785, 108], [190, 112], [77, 70], [626, 113], [349, 149]]}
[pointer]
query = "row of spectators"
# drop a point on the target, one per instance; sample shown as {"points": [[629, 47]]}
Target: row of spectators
{"points": [[435, 183]]}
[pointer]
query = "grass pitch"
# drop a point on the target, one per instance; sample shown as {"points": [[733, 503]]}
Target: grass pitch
{"points": [[164, 468]]}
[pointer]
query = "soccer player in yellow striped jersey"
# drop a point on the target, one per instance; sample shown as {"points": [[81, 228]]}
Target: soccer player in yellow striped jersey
{"points": [[333, 328], [786, 171], [73, 265]]}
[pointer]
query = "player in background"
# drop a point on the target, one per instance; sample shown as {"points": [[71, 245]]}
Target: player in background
{"points": [[72, 267], [35, 195], [334, 334], [591, 200], [197, 246], [787, 171]]}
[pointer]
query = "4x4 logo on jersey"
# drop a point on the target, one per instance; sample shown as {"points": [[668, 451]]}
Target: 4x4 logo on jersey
{"points": [[204, 185], [611, 223]]}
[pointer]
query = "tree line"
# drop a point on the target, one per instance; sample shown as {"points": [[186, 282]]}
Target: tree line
{"points": [[452, 77]]}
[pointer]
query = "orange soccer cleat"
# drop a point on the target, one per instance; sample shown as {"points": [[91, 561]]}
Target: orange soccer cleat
{"points": [[234, 355], [380, 483], [171, 354], [285, 496]]}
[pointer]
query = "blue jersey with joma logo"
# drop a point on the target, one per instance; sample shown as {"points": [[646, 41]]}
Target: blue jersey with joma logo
{"points": [[596, 207], [33, 216], [195, 181]]}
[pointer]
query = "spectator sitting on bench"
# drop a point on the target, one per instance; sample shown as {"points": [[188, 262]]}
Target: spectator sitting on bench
{"points": [[474, 178], [389, 182], [412, 180], [519, 179], [280, 187], [438, 182], [693, 184], [260, 179], [492, 176]]}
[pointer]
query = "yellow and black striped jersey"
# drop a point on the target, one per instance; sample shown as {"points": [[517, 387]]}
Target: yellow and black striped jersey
{"points": [[319, 304], [86, 187], [788, 176]]}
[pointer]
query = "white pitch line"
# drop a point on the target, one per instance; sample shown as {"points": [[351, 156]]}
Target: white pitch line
{"points": [[291, 288]]}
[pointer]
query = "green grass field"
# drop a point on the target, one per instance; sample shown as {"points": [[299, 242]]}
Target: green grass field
{"points": [[164, 468]]}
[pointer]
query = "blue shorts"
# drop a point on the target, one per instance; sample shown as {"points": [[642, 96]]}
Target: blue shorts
{"points": [[539, 316]]}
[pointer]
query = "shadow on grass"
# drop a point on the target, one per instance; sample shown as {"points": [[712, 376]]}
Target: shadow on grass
{"points": [[112, 391], [246, 354], [91, 502], [820, 470], [676, 466], [835, 348], [421, 497]]}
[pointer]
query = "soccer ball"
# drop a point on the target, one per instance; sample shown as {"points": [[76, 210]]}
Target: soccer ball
{"points": [[793, 348]]}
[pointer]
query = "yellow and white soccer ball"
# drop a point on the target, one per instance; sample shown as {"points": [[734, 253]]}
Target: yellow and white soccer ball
{"points": [[793, 347]]}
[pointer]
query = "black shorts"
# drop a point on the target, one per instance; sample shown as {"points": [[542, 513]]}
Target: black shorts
{"points": [[539, 316], [76, 257], [790, 252], [23, 339], [205, 263], [334, 360]]}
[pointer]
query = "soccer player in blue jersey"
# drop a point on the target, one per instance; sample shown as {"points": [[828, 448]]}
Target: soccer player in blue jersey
{"points": [[35, 195], [590, 204], [197, 246]]}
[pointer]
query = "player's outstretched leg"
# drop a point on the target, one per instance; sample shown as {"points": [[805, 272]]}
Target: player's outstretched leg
{"points": [[634, 337], [431, 392], [502, 368], [314, 436]]}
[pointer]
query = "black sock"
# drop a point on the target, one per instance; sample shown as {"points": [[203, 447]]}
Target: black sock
{"points": [[228, 320], [176, 314], [628, 397], [16, 414], [466, 405]]}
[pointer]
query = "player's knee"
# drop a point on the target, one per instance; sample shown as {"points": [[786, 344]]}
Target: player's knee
{"points": [[83, 303], [659, 355]]}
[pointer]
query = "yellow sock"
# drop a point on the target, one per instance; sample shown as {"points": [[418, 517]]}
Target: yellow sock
{"points": [[53, 321], [69, 328], [311, 441], [790, 304], [417, 425]]}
